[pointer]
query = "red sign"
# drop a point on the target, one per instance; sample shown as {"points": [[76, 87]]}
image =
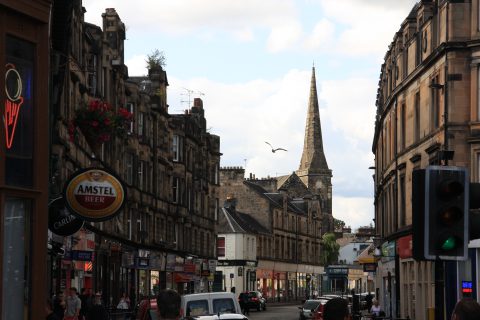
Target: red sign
{"points": [[404, 247], [13, 102], [94, 194]]}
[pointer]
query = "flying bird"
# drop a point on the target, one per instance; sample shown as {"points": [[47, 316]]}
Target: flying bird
{"points": [[275, 150]]}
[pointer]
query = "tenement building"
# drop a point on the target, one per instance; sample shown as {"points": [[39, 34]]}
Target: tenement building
{"points": [[428, 103], [168, 163], [295, 209]]}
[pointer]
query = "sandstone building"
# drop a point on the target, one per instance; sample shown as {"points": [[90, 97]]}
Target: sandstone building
{"points": [[428, 103], [169, 164]]}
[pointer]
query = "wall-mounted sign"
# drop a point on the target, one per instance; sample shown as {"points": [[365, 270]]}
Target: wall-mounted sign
{"points": [[13, 102], [60, 220], [94, 194], [369, 267], [467, 287], [81, 255]]}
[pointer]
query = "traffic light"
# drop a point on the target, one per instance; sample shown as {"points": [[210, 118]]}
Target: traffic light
{"points": [[446, 213], [440, 213]]}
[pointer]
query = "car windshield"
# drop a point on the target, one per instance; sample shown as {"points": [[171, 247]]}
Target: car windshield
{"points": [[197, 308], [312, 304], [223, 306]]}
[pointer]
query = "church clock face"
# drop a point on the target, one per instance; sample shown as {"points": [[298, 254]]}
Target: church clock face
{"points": [[319, 184]]}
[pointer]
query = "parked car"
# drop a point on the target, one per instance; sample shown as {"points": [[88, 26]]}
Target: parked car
{"points": [[312, 309], [225, 316], [209, 303], [255, 300]]}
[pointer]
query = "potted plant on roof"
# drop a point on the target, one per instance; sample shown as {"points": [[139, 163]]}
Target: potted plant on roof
{"points": [[98, 122]]}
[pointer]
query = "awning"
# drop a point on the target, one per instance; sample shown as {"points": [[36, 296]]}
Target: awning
{"points": [[366, 256]]}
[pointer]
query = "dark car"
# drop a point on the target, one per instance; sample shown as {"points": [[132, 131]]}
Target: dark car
{"points": [[254, 300], [312, 309]]}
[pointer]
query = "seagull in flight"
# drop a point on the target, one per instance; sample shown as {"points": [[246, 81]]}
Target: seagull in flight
{"points": [[275, 150]]}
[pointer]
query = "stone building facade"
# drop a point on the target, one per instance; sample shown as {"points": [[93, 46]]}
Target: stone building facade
{"points": [[296, 209], [169, 163], [427, 103]]}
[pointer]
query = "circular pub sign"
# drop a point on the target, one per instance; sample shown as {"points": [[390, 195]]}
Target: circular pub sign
{"points": [[94, 194], [60, 220]]}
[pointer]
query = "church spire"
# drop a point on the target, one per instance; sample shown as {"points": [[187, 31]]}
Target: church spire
{"points": [[313, 157]]}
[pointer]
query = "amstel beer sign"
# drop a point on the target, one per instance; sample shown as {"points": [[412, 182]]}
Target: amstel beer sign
{"points": [[94, 194]]}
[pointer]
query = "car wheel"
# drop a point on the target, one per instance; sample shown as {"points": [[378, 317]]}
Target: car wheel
{"points": [[259, 307]]}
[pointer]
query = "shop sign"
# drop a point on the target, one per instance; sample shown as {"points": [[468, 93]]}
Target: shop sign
{"points": [[404, 247], [388, 251], [143, 262], [13, 102], [81, 255], [243, 263], [339, 271], [94, 194], [369, 267], [189, 267], [60, 220], [212, 266]]}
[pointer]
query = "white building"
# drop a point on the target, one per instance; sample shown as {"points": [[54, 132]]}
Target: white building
{"points": [[237, 249]]}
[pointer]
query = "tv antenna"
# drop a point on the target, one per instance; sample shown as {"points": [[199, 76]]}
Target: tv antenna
{"points": [[188, 93]]}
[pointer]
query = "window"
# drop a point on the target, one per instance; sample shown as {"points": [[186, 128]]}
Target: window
{"points": [[129, 168], [16, 258], [221, 247], [217, 207], [141, 175], [435, 105], [19, 77], [402, 127], [402, 201], [216, 175], [224, 305], [177, 146], [141, 126], [175, 189], [197, 308], [131, 110], [417, 117]]}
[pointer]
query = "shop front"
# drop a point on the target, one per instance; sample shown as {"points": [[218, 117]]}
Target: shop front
{"points": [[24, 148]]}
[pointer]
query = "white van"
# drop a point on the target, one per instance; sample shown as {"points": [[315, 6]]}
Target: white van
{"points": [[209, 303]]}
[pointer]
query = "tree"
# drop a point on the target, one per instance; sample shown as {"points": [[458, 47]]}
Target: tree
{"points": [[330, 247], [156, 60], [338, 224]]}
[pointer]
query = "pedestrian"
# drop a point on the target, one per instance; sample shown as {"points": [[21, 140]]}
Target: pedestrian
{"points": [[124, 305], [368, 301], [376, 309], [73, 305], [87, 300], [466, 309], [49, 311], [243, 301], [336, 309], [59, 305], [168, 304], [97, 311]]}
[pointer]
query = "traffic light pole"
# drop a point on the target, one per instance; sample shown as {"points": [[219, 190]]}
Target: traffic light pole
{"points": [[439, 289]]}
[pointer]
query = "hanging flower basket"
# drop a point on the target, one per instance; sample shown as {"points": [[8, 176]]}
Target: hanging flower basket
{"points": [[98, 123]]}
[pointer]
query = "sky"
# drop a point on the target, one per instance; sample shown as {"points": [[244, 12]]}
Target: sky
{"points": [[251, 62]]}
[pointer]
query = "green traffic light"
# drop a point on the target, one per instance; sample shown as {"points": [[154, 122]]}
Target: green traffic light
{"points": [[449, 244]]}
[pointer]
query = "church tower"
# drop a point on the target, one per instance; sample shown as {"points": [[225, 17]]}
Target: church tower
{"points": [[314, 171]]}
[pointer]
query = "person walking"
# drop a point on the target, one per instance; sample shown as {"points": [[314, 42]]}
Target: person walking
{"points": [[73, 305], [124, 305], [87, 300], [466, 309], [168, 304], [368, 301], [336, 309], [49, 311], [59, 305], [243, 301], [376, 309], [97, 311]]}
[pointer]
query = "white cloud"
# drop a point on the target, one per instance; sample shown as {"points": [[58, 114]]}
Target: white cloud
{"points": [[355, 211], [322, 35], [284, 37], [238, 18], [137, 65]]}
